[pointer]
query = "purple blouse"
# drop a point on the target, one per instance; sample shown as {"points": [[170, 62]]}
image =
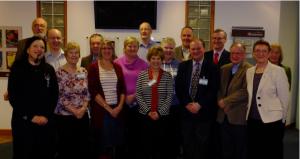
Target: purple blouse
{"points": [[131, 72], [73, 90]]}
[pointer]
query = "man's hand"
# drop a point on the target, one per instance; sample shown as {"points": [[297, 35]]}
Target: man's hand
{"points": [[193, 107]]}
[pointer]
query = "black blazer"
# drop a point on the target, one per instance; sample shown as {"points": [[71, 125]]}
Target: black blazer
{"points": [[86, 61], [206, 95], [224, 59]]}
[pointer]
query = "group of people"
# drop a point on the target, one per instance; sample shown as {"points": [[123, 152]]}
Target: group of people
{"points": [[156, 101]]}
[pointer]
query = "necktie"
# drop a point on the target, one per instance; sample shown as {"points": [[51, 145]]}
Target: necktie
{"points": [[195, 80], [216, 58]]}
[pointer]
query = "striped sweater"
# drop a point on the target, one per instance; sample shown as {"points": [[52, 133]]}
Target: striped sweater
{"points": [[165, 93]]}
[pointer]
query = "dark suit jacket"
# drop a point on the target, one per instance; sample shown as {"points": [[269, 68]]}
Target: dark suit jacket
{"points": [[86, 61], [224, 59], [206, 95], [21, 46], [179, 53], [237, 97]]}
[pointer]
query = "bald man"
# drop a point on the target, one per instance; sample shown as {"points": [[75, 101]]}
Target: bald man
{"points": [[39, 28], [146, 42], [55, 54]]}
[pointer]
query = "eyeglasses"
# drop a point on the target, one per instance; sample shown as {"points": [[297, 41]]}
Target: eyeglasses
{"points": [[261, 51]]}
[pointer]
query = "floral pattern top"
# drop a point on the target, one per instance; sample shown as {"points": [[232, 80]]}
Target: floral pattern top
{"points": [[73, 89]]}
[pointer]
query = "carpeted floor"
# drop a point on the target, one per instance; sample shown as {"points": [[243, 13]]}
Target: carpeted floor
{"points": [[291, 146]]}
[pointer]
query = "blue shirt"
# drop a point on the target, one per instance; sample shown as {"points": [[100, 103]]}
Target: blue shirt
{"points": [[143, 49], [56, 61]]}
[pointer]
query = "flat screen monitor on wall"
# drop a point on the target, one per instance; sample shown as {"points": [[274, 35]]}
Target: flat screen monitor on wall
{"points": [[124, 14]]}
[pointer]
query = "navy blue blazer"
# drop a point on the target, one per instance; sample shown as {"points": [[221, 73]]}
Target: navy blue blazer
{"points": [[224, 59], [206, 94]]}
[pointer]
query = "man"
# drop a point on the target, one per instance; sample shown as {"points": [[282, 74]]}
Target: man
{"points": [[96, 41], [39, 28], [55, 54], [218, 55], [182, 52], [232, 102], [146, 42], [196, 88]]}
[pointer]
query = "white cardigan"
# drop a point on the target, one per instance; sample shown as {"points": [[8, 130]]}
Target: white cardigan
{"points": [[272, 96]]}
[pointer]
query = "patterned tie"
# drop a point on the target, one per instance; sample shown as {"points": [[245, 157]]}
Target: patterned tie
{"points": [[195, 80], [216, 58]]}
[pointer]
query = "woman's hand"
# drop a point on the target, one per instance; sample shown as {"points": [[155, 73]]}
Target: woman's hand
{"points": [[154, 115], [39, 120]]}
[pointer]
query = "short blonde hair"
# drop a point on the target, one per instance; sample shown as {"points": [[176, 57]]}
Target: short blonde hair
{"points": [[110, 44], [168, 40], [155, 51], [70, 46], [130, 40]]}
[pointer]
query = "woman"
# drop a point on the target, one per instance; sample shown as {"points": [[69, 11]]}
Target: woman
{"points": [[32, 118], [170, 64], [276, 58], [268, 92], [131, 65], [71, 110], [154, 96], [106, 85]]}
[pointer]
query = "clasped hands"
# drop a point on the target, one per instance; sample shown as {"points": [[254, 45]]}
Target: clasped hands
{"points": [[222, 105], [153, 115], [77, 112], [193, 107], [39, 120]]}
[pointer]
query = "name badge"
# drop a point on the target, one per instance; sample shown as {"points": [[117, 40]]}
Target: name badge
{"points": [[152, 82], [80, 75], [203, 81]]}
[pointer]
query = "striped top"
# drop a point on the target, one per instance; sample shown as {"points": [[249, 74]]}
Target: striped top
{"points": [[108, 80], [165, 93]]}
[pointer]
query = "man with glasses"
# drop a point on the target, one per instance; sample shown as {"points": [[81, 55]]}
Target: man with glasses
{"points": [[218, 55], [232, 102], [39, 28]]}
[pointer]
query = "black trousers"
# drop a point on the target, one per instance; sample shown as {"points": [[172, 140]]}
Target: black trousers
{"points": [[132, 134], [233, 141], [72, 137], [197, 138], [155, 138], [31, 141], [265, 140]]}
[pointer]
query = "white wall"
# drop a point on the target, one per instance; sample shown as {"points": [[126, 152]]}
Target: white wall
{"points": [[169, 23], [14, 14], [170, 20], [248, 13], [171, 17]]}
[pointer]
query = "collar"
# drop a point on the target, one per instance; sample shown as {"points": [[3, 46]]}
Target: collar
{"points": [[49, 54], [151, 42], [200, 62], [220, 52]]}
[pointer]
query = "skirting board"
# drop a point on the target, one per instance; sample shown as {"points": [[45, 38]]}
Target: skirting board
{"points": [[5, 132]]}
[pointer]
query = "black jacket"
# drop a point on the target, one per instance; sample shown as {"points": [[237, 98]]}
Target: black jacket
{"points": [[206, 94], [33, 90]]}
